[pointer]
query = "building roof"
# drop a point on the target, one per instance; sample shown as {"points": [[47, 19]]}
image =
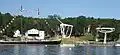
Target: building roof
{"points": [[33, 31]]}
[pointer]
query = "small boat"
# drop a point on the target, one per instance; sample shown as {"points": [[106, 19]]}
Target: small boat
{"points": [[117, 44], [32, 42]]}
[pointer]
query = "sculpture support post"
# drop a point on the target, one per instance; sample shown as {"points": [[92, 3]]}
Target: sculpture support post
{"points": [[105, 31], [105, 38]]}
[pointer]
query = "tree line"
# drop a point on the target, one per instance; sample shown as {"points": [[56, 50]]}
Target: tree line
{"points": [[80, 24]]}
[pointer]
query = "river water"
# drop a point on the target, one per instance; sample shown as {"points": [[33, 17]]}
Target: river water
{"points": [[27, 49]]}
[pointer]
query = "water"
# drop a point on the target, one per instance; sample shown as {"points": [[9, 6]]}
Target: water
{"points": [[27, 49]]}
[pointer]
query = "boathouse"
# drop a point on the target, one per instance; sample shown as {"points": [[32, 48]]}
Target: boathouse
{"points": [[34, 33]]}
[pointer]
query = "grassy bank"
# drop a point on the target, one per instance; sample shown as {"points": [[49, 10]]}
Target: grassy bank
{"points": [[73, 40]]}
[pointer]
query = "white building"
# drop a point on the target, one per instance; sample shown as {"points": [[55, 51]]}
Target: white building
{"points": [[34, 33], [17, 33]]}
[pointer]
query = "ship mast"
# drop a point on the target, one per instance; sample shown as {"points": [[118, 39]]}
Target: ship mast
{"points": [[21, 12]]}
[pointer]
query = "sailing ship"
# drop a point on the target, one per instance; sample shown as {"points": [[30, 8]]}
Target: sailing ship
{"points": [[34, 40]]}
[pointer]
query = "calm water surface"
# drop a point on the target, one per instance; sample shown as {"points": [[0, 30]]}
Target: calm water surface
{"points": [[57, 50]]}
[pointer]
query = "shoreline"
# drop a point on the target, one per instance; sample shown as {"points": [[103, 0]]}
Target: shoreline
{"points": [[70, 45]]}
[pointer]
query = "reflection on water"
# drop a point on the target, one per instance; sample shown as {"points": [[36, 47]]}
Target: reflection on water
{"points": [[57, 50]]}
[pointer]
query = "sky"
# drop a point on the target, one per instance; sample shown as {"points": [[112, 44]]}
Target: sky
{"points": [[64, 8]]}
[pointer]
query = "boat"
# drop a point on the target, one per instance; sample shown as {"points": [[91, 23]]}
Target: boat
{"points": [[117, 45], [29, 35], [32, 42]]}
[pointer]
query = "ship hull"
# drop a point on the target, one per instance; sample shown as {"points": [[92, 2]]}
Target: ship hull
{"points": [[31, 42]]}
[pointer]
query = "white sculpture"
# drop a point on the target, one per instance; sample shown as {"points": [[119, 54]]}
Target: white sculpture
{"points": [[105, 30], [62, 28], [88, 30]]}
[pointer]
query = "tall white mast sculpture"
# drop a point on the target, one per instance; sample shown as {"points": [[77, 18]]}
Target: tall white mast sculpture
{"points": [[62, 28], [105, 31], [88, 30]]}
